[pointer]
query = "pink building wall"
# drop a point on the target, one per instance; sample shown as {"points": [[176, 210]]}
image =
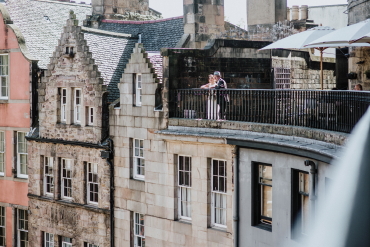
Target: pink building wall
{"points": [[14, 116]]}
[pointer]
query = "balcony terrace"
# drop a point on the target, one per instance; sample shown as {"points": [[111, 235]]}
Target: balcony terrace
{"points": [[334, 110]]}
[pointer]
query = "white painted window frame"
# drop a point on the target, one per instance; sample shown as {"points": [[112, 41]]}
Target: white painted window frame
{"points": [[77, 105], [48, 239], [139, 230], [49, 164], [63, 105], [138, 157], [184, 188], [92, 170], [66, 242], [21, 153], [2, 153], [90, 114], [138, 85], [218, 197], [66, 165], [2, 224], [22, 226], [4, 78]]}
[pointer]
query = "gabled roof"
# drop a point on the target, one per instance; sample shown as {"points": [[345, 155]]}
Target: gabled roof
{"points": [[41, 23], [157, 34], [111, 53]]}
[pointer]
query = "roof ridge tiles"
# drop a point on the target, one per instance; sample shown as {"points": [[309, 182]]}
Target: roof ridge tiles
{"points": [[141, 22]]}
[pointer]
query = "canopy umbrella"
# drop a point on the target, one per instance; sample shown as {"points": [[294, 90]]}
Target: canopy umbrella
{"points": [[345, 36], [299, 40]]}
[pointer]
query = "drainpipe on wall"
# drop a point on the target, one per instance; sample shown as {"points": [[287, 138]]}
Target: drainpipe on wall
{"points": [[236, 198], [107, 155], [313, 180]]}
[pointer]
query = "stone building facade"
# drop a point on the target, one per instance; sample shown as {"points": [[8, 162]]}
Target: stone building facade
{"points": [[190, 182], [301, 70], [358, 56], [147, 168], [70, 182]]}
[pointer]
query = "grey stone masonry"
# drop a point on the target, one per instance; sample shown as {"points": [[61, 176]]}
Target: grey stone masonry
{"points": [[71, 68], [155, 194], [69, 182], [75, 217]]}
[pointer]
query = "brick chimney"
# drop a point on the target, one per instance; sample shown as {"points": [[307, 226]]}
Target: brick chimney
{"points": [[203, 19], [109, 8]]}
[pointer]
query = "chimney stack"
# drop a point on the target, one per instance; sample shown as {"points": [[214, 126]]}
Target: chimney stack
{"points": [[203, 19], [295, 12], [109, 8], [265, 13]]}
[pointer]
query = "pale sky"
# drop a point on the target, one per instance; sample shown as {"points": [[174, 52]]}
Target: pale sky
{"points": [[235, 10]]}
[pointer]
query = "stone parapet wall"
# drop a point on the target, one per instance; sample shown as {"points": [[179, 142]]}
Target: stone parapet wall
{"points": [[301, 76]]}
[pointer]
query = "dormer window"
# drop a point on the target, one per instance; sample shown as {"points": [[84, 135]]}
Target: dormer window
{"points": [[77, 106]]}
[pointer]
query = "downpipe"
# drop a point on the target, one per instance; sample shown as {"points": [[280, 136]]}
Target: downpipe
{"points": [[236, 198], [107, 155], [313, 185]]}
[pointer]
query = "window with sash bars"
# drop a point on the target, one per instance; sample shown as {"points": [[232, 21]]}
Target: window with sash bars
{"points": [[22, 228], [218, 193], [139, 234], [184, 187], [4, 76], [66, 178], [22, 155], [48, 175], [92, 183], [2, 153]]}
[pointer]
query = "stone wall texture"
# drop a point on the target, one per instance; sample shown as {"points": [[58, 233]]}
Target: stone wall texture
{"points": [[74, 217], [71, 70], [155, 195], [357, 12]]}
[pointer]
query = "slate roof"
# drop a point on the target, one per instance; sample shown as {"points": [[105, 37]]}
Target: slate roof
{"points": [[163, 33], [42, 22], [111, 55]]}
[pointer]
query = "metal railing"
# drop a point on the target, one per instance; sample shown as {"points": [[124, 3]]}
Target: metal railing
{"points": [[329, 110]]}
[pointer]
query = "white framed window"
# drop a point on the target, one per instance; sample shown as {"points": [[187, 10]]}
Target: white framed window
{"points": [[139, 234], [48, 175], [91, 245], [66, 178], [22, 155], [90, 120], [92, 183], [22, 228], [139, 161], [138, 83], [2, 153], [2, 226], [63, 105], [66, 242], [77, 106], [4, 76], [184, 187], [218, 193], [48, 239]]}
